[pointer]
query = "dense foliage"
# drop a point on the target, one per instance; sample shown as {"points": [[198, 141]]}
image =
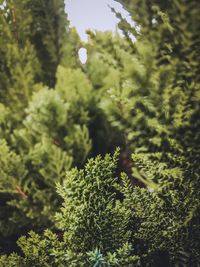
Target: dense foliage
{"points": [[43, 131], [139, 207]]}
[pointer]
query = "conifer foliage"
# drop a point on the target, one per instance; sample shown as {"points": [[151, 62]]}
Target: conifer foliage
{"points": [[142, 95], [44, 131]]}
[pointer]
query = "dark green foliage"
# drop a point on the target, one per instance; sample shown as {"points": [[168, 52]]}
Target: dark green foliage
{"points": [[163, 125], [12, 171], [51, 37], [154, 103], [16, 83]]}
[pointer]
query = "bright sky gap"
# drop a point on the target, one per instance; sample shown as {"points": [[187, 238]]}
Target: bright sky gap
{"points": [[94, 15]]}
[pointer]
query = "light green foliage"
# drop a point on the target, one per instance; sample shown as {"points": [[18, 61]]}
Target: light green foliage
{"points": [[46, 111], [102, 65], [74, 87], [122, 257], [53, 137], [54, 123], [45, 250], [105, 53], [70, 49], [132, 89], [90, 215], [90, 218], [52, 252]]}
